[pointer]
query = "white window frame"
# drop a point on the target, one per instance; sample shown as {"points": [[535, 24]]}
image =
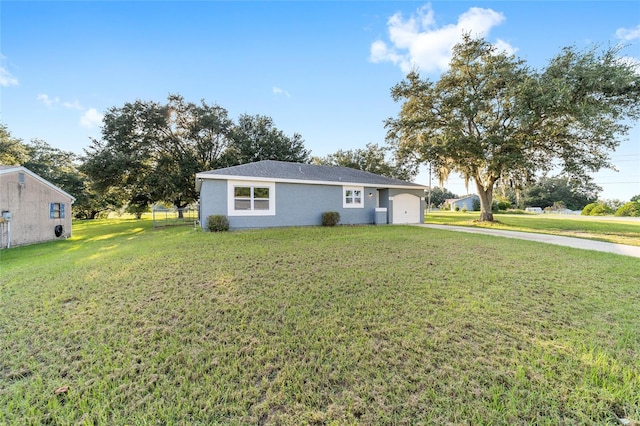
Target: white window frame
{"points": [[231, 205], [348, 192]]}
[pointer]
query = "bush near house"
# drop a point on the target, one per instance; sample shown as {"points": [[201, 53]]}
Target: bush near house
{"points": [[330, 218], [217, 223]]}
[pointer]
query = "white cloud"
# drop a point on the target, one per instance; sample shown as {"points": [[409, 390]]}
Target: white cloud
{"points": [[91, 118], [279, 91], [418, 42], [45, 99], [73, 105], [628, 33], [504, 47], [6, 79], [632, 62]]}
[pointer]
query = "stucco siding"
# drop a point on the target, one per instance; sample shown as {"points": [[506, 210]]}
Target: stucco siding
{"points": [[29, 203], [295, 205], [465, 203], [213, 199]]}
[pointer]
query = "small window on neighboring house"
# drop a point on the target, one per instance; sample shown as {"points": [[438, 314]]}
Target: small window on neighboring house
{"points": [[21, 179], [352, 197], [56, 211]]}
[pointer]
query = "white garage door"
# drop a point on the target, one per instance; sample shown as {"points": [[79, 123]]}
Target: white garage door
{"points": [[406, 209]]}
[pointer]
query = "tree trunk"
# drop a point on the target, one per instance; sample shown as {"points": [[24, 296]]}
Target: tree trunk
{"points": [[486, 199], [180, 206]]}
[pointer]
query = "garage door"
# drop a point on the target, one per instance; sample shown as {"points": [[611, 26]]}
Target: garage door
{"points": [[406, 209]]}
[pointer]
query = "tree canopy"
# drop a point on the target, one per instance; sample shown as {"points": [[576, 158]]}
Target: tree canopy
{"points": [[493, 119], [12, 151], [255, 138], [374, 158], [151, 151], [546, 191], [439, 195]]}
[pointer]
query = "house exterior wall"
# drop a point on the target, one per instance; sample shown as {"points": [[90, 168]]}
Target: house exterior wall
{"points": [[464, 203], [29, 204], [296, 205]]}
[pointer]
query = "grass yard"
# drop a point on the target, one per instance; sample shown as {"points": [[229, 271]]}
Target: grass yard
{"points": [[345, 325], [610, 229]]}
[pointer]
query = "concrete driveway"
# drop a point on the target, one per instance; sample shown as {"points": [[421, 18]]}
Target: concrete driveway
{"points": [[579, 243]]}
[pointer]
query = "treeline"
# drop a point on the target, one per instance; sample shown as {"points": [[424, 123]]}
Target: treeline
{"points": [[149, 152]]}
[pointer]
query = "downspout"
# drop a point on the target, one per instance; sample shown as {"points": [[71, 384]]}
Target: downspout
{"points": [[9, 234]]}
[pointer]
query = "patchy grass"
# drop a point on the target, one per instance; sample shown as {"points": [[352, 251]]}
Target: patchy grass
{"points": [[609, 229], [344, 325]]}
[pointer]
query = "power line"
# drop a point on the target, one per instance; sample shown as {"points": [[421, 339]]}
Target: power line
{"points": [[611, 183]]}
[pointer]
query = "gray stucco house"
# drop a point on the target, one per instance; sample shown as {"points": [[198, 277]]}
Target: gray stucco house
{"points": [[277, 193]]}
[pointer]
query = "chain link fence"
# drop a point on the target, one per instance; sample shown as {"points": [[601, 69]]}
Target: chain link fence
{"points": [[163, 216]]}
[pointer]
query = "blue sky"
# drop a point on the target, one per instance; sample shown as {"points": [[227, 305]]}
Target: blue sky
{"points": [[321, 69]]}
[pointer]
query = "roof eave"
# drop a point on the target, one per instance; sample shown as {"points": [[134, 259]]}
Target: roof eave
{"points": [[202, 176]]}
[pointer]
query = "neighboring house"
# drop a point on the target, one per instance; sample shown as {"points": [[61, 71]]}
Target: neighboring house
{"points": [[536, 210], [276, 193], [465, 202], [32, 209]]}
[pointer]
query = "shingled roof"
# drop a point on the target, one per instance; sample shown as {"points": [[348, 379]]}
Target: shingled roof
{"points": [[283, 171]]}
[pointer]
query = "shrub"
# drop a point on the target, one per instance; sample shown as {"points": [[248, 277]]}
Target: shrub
{"points": [[504, 203], [586, 211], [330, 218], [630, 209], [596, 209], [217, 223]]}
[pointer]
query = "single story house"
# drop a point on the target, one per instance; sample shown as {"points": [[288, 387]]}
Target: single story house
{"points": [[466, 202], [32, 209], [277, 193]]}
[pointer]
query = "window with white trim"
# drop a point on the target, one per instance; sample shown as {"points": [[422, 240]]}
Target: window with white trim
{"points": [[352, 197], [251, 199]]}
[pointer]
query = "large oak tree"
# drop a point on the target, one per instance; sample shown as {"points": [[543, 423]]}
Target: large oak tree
{"points": [[151, 151], [492, 118]]}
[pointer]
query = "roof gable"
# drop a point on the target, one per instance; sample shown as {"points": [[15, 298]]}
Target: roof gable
{"points": [[4, 170], [303, 173]]}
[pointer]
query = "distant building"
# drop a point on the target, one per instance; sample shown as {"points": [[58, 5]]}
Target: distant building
{"points": [[32, 209], [463, 203]]}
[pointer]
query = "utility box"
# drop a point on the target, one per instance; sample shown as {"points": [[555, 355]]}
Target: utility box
{"points": [[6, 215], [380, 216]]}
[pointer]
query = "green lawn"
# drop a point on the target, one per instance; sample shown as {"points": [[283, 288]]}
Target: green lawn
{"points": [[345, 325], [610, 229]]}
